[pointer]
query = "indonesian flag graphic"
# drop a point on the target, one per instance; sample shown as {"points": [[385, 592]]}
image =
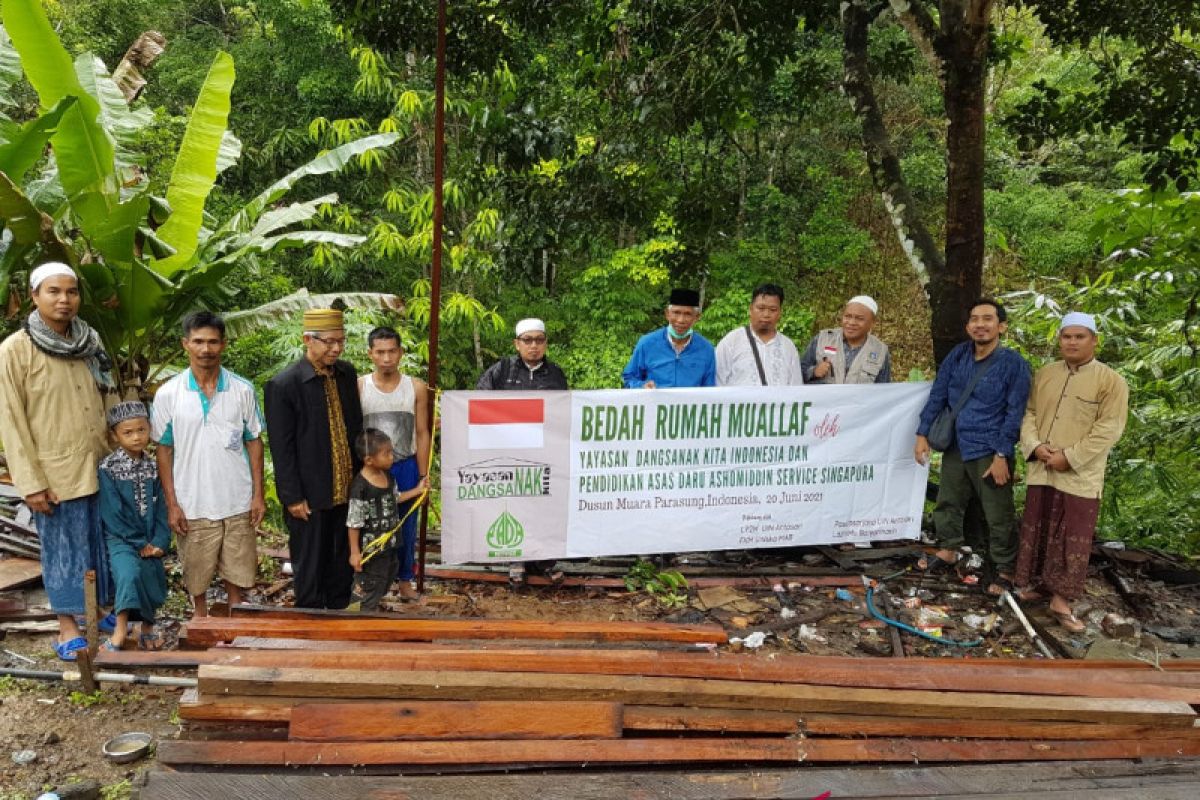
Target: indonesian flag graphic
{"points": [[505, 424]]}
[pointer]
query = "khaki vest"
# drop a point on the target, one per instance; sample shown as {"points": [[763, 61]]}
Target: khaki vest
{"points": [[866, 364]]}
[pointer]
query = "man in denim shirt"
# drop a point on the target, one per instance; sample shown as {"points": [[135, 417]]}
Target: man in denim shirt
{"points": [[978, 466]]}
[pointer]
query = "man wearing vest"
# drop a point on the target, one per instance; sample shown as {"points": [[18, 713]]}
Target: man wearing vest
{"points": [[850, 354], [398, 405], [674, 355], [758, 354], [989, 385]]}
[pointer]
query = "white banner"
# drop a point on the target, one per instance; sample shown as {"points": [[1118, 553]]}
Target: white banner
{"points": [[533, 475]]}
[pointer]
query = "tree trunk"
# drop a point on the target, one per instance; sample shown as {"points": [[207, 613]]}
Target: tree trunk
{"points": [[919, 247], [964, 45], [952, 279]]}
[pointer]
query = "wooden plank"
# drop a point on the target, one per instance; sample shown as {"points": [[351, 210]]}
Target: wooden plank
{"points": [[290, 612], [812, 670], [854, 725], [426, 720], [1085, 778], [16, 572], [662, 751], [711, 720], [212, 630], [765, 581], [639, 690]]}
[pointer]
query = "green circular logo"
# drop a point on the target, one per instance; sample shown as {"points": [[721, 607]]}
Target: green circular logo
{"points": [[506, 532]]}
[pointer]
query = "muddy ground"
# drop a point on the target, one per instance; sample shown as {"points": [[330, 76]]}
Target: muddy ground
{"points": [[1138, 605]]}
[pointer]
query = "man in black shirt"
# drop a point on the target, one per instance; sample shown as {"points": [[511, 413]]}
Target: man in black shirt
{"points": [[529, 368]]}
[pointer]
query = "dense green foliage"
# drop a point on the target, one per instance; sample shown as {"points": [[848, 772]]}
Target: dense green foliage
{"points": [[600, 152]]}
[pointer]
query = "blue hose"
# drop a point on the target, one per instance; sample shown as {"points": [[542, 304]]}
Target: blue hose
{"points": [[898, 624]]}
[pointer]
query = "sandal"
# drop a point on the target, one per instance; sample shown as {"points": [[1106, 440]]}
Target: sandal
{"points": [[149, 641], [67, 650], [1068, 620], [1029, 595], [999, 586], [109, 646], [107, 624], [933, 564]]}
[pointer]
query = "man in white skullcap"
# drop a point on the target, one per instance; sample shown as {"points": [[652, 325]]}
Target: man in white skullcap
{"points": [[529, 368], [1075, 414], [851, 353], [55, 381]]}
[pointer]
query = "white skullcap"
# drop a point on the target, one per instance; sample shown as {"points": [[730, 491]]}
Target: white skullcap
{"points": [[531, 324], [865, 300], [1078, 318], [49, 270]]}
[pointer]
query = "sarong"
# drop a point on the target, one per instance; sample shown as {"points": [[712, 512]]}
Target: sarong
{"points": [[72, 543], [1056, 541]]}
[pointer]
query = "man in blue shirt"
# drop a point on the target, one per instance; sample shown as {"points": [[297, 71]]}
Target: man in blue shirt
{"points": [[673, 355], [978, 465]]}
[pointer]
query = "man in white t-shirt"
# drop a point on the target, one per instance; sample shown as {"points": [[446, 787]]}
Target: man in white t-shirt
{"points": [[210, 461], [758, 354]]}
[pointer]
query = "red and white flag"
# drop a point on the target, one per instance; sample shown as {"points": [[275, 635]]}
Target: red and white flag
{"points": [[505, 424]]}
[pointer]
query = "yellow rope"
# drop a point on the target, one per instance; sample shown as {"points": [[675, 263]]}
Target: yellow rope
{"points": [[377, 545]]}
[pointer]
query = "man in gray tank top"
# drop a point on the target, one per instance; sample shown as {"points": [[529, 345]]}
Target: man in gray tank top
{"points": [[398, 405], [851, 353]]}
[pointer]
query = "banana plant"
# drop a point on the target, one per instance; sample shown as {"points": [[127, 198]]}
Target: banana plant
{"points": [[145, 261]]}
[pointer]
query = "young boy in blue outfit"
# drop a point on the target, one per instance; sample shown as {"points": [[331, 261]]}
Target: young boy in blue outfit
{"points": [[133, 515]]}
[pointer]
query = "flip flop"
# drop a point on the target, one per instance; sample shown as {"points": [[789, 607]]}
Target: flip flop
{"points": [[1000, 583], [108, 645], [106, 624], [67, 650], [146, 639]]}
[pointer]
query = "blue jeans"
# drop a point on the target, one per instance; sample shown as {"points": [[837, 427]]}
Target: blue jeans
{"points": [[407, 475]]}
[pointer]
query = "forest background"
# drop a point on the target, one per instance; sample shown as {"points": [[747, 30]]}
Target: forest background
{"points": [[600, 152]]}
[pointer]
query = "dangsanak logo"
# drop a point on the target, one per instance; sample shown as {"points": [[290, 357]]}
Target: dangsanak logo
{"points": [[506, 535]]}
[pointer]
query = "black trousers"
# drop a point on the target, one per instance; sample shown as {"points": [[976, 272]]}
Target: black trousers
{"points": [[321, 573]]}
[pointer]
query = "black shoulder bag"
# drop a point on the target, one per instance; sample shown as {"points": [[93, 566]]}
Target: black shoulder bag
{"points": [[762, 374], [941, 432]]}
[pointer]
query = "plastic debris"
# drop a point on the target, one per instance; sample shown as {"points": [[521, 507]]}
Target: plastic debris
{"points": [[753, 641], [844, 595], [23, 757]]}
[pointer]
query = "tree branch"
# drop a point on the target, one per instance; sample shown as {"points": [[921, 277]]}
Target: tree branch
{"points": [[918, 244], [918, 23]]}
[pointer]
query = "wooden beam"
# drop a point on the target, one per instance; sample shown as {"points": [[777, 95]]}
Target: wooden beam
{"points": [[711, 720], [1091, 779], [661, 751], [854, 725], [811, 670], [638, 690], [213, 630], [427, 720]]}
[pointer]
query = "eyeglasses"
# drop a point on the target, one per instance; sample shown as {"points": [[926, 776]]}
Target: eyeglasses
{"points": [[531, 339], [340, 342]]}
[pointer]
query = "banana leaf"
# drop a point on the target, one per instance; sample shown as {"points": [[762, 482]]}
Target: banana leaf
{"points": [[195, 170], [84, 151], [28, 143]]}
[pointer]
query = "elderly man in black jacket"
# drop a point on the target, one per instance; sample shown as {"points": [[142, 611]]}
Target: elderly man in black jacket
{"points": [[313, 417], [529, 368]]}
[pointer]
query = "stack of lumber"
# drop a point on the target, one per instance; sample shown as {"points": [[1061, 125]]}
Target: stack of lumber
{"points": [[454, 694]]}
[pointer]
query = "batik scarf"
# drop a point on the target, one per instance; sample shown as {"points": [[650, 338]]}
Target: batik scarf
{"points": [[80, 342]]}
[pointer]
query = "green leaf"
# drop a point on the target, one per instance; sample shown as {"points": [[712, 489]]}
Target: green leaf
{"points": [[294, 214], [28, 225], [196, 165], [28, 144], [82, 148], [302, 238], [230, 152], [116, 235], [10, 63], [239, 323], [116, 116], [331, 161]]}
